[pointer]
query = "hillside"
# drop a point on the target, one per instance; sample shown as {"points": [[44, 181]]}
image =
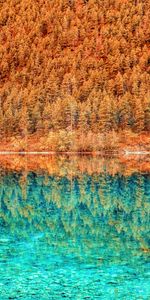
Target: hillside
{"points": [[74, 67]]}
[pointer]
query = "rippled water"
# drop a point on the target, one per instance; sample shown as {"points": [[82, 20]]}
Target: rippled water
{"points": [[84, 237]]}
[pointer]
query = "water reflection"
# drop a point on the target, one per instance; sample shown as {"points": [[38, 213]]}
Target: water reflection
{"points": [[79, 237]]}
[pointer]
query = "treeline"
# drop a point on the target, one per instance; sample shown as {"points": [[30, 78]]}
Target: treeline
{"points": [[74, 65]]}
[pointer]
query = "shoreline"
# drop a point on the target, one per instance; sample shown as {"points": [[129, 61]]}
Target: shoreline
{"points": [[73, 164], [124, 152], [125, 143]]}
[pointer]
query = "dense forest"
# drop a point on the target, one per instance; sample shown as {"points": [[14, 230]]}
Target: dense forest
{"points": [[74, 69]]}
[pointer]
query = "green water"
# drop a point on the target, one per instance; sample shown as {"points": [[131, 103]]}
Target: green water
{"points": [[81, 238]]}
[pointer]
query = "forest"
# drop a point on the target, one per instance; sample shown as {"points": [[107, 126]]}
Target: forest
{"points": [[74, 74]]}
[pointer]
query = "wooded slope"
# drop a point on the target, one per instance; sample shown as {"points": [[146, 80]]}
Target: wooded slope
{"points": [[74, 65]]}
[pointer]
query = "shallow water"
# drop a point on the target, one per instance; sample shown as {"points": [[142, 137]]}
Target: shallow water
{"points": [[84, 237]]}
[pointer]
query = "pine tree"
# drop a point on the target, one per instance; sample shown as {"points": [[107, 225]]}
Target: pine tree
{"points": [[138, 116], [106, 122], [125, 116], [146, 104]]}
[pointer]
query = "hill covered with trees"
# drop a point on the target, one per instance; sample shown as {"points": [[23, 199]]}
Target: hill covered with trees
{"points": [[74, 72]]}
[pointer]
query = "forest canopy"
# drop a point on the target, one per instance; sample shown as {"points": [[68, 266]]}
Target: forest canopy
{"points": [[74, 65]]}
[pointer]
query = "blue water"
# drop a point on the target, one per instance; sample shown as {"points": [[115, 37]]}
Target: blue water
{"points": [[81, 238]]}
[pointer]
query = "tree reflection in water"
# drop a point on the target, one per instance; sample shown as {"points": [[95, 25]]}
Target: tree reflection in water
{"points": [[87, 232]]}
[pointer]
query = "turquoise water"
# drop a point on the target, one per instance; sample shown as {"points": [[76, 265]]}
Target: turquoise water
{"points": [[81, 238]]}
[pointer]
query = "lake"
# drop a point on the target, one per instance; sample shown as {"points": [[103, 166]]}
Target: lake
{"points": [[77, 234]]}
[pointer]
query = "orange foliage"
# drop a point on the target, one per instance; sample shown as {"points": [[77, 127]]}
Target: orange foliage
{"points": [[94, 54], [72, 165]]}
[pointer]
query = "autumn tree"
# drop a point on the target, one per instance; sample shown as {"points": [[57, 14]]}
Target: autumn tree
{"points": [[138, 114], [74, 66]]}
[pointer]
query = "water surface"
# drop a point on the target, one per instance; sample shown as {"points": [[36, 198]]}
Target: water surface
{"points": [[79, 237]]}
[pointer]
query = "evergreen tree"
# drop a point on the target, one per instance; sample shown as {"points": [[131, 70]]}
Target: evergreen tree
{"points": [[138, 116], [106, 120]]}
